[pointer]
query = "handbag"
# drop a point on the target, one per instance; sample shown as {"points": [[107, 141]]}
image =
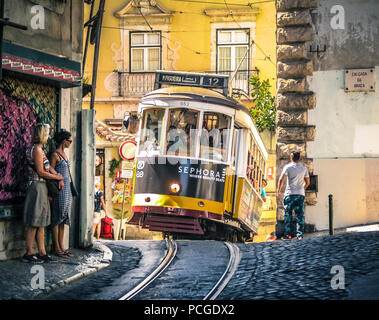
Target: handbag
{"points": [[74, 192], [52, 187], [51, 184]]}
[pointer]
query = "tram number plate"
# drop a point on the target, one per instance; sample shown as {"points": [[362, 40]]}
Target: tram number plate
{"points": [[212, 82], [139, 174]]}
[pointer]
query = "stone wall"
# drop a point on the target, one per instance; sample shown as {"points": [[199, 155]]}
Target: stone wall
{"points": [[294, 31]]}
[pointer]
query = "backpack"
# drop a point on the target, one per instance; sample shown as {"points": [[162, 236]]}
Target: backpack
{"points": [[107, 228]]}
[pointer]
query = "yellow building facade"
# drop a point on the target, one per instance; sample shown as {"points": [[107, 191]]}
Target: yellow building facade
{"points": [[138, 37]]}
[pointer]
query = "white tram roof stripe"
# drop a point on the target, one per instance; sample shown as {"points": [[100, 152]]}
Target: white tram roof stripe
{"points": [[194, 93]]}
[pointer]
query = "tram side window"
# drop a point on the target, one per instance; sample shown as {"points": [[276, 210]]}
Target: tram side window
{"points": [[259, 176], [250, 167], [256, 167], [215, 136], [151, 131], [234, 149], [181, 135], [252, 163], [260, 170]]}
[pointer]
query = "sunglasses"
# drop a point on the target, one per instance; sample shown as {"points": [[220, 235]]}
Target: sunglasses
{"points": [[69, 140]]}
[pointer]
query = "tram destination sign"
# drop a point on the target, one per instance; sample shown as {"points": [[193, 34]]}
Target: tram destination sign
{"points": [[191, 79]]}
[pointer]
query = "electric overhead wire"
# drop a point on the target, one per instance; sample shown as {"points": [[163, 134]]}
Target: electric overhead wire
{"points": [[140, 11], [190, 49], [173, 41], [151, 29], [252, 41], [249, 4]]}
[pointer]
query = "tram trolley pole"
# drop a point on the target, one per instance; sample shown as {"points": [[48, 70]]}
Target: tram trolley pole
{"points": [[331, 227]]}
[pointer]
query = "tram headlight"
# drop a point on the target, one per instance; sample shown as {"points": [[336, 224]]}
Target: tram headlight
{"points": [[175, 188]]}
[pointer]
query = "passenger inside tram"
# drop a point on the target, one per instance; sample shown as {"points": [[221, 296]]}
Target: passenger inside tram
{"points": [[182, 129], [181, 133], [215, 136]]}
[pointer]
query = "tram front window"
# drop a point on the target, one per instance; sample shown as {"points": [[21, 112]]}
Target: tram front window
{"points": [[151, 132], [181, 134], [215, 136]]}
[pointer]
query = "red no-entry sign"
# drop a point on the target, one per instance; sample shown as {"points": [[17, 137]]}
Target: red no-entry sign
{"points": [[128, 150]]}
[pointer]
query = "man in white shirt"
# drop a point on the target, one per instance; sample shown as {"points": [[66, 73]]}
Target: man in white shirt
{"points": [[297, 181]]}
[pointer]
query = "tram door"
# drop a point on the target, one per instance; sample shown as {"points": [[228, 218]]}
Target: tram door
{"points": [[229, 193], [236, 157], [241, 165]]}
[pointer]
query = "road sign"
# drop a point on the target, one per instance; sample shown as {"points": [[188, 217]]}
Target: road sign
{"points": [[127, 174], [128, 150]]}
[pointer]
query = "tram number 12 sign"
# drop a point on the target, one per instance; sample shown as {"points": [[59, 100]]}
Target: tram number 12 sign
{"points": [[197, 80]]}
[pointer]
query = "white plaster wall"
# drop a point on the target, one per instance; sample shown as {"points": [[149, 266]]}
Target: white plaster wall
{"points": [[345, 152], [347, 124], [354, 184]]}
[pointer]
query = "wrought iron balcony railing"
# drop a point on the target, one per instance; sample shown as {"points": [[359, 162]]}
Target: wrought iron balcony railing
{"points": [[136, 84]]}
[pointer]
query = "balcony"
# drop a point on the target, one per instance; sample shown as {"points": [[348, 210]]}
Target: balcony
{"points": [[136, 84]]}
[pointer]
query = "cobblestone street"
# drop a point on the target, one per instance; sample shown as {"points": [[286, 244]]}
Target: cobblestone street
{"points": [[295, 269], [279, 270]]}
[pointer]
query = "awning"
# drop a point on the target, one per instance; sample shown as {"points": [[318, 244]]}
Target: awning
{"points": [[47, 68], [106, 132]]}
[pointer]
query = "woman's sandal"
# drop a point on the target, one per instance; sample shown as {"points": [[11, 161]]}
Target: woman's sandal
{"points": [[68, 253], [61, 254]]}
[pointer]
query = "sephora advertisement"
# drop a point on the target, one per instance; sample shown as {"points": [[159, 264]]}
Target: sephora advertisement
{"points": [[202, 180]]}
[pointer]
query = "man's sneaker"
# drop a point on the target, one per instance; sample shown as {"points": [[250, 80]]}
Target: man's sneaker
{"points": [[46, 258], [31, 259], [288, 237], [299, 237]]}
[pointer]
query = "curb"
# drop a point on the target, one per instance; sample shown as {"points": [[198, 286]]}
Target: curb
{"points": [[107, 253], [105, 262]]}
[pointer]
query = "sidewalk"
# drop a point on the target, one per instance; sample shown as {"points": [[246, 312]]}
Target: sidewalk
{"points": [[360, 228], [17, 279]]}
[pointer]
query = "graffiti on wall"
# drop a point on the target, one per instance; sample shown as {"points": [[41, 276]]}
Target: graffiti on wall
{"points": [[22, 105]]}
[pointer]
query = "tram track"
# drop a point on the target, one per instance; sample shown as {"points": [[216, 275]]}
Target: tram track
{"points": [[234, 259], [172, 249]]}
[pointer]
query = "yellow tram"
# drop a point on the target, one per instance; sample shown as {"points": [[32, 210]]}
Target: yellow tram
{"points": [[200, 161]]}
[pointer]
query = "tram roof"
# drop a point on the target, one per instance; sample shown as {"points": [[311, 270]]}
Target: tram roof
{"points": [[194, 93]]}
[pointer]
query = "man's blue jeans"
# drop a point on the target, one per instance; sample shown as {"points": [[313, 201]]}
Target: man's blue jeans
{"points": [[295, 203]]}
